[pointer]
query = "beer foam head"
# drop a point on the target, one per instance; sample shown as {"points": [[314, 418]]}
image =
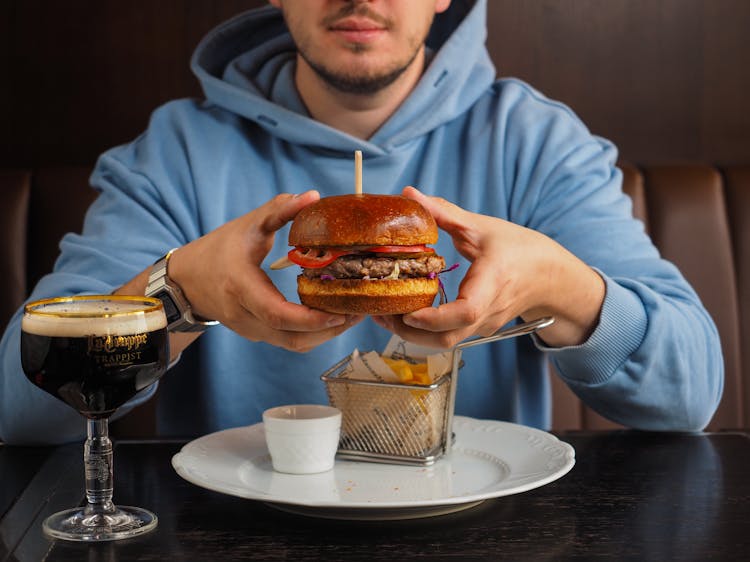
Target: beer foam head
{"points": [[85, 316]]}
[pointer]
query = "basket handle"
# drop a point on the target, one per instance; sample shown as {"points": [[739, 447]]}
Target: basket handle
{"points": [[512, 332]]}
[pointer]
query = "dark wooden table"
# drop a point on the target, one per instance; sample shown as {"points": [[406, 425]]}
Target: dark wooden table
{"points": [[631, 495]]}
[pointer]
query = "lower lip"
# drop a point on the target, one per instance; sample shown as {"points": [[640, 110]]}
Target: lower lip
{"points": [[358, 35]]}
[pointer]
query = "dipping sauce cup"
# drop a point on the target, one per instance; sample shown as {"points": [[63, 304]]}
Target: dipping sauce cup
{"points": [[302, 438]]}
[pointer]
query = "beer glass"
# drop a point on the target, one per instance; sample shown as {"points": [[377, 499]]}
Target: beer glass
{"points": [[94, 353]]}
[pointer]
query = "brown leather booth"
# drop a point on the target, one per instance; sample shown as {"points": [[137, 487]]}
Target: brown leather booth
{"points": [[698, 216]]}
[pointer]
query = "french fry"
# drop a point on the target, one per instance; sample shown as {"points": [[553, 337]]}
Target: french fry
{"points": [[409, 372]]}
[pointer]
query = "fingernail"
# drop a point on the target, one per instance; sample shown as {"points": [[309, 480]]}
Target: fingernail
{"points": [[336, 321], [311, 190], [413, 322]]}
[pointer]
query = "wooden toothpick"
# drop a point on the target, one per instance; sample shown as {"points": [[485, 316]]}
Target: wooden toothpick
{"points": [[358, 172]]}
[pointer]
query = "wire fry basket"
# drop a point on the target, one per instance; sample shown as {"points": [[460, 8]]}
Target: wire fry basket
{"points": [[390, 422], [402, 423]]}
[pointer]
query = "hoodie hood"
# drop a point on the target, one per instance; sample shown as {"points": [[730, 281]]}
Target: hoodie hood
{"points": [[246, 66]]}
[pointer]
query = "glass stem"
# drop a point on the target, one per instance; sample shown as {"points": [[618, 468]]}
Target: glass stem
{"points": [[97, 458]]}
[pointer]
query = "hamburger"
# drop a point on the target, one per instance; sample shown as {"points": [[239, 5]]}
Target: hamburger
{"points": [[365, 254]]}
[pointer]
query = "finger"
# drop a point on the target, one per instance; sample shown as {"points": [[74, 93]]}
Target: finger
{"points": [[269, 218], [478, 296], [449, 217], [283, 208], [457, 322], [441, 340], [455, 315], [381, 321], [301, 342], [264, 301]]}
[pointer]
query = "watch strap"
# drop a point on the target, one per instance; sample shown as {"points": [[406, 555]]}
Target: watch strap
{"points": [[179, 312]]}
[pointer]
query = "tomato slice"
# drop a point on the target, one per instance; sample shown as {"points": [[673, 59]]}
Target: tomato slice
{"points": [[314, 258], [418, 249]]}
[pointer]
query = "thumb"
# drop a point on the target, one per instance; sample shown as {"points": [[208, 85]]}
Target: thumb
{"points": [[451, 218], [283, 208]]}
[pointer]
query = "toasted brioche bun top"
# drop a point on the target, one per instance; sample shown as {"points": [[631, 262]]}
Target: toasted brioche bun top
{"points": [[363, 220]]}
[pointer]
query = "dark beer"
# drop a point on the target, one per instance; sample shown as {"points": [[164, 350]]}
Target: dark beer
{"points": [[93, 362]]}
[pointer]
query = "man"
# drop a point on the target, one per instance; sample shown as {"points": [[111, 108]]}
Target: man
{"points": [[531, 202]]}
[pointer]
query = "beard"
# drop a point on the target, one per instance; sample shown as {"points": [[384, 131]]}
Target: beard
{"points": [[351, 82], [357, 80]]}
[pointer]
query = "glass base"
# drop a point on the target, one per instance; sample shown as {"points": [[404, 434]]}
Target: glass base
{"points": [[85, 524]]}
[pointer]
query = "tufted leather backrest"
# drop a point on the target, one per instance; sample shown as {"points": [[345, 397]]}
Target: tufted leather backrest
{"points": [[698, 216], [38, 208], [15, 189]]}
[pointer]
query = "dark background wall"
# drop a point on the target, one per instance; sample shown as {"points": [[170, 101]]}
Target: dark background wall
{"points": [[667, 80]]}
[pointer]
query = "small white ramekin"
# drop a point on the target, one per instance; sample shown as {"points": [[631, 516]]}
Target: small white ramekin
{"points": [[302, 438]]}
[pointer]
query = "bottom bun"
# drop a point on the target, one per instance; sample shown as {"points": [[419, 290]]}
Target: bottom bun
{"points": [[363, 296]]}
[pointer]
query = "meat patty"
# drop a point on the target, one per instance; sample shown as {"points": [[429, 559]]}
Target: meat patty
{"points": [[358, 266]]}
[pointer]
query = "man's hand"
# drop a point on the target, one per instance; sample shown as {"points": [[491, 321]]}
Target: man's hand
{"points": [[221, 277], [514, 272]]}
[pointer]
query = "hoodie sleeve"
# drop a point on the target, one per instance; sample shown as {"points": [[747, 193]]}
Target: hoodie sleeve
{"points": [[141, 212], [654, 361]]}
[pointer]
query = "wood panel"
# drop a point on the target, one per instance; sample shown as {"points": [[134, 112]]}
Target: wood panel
{"points": [[667, 80], [84, 76]]}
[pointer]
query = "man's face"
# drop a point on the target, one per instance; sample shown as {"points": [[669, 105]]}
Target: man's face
{"points": [[359, 46]]}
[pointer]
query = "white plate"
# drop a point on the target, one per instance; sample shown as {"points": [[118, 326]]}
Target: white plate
{"points": [[489, 459]]}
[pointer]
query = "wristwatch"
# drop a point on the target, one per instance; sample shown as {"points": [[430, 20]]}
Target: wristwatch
{"points": [[179, 313]]}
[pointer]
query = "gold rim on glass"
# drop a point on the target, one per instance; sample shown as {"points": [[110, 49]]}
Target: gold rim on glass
{"points": [[151, 305]]}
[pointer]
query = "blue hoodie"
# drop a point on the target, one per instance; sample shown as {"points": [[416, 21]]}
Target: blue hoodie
{"points": [[491, 146]]}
